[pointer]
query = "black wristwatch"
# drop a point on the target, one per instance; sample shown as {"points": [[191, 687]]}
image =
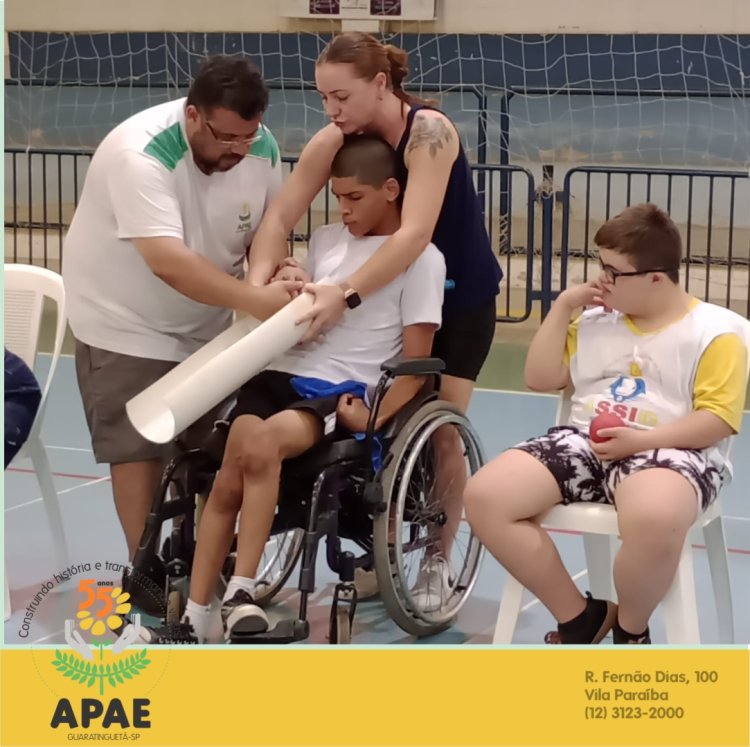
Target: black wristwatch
{"points": [[351, 297]]}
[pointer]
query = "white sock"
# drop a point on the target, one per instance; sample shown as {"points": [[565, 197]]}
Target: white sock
{"points": [[199, 616], [239, 582]]}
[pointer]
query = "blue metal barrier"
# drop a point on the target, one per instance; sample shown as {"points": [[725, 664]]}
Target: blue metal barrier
{"points": [[712, 209], [44, 186]]}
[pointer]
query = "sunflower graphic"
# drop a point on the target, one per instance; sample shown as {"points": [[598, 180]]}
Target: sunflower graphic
{"points": [[100, 613], [108, 618]]}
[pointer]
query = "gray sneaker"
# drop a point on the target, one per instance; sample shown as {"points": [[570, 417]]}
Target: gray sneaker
{"points": [[433, 587], [240, 614]]}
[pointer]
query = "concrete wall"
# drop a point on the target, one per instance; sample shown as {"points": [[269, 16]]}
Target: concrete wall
{"points": [[454, 16]]}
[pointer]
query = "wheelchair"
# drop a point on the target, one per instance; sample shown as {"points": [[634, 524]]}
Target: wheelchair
{"points": [[378, 491]]}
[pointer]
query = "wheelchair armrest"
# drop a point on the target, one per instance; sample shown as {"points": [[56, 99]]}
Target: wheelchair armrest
{"points": [[394, 426], [401, 366]]}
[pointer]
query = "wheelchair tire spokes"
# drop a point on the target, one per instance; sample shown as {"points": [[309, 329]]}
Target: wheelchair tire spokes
{"points": [[279, 559], [414, 506], [394, 516]]}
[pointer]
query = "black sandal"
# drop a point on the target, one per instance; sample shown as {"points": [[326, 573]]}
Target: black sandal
{"points": [[590, 627]]}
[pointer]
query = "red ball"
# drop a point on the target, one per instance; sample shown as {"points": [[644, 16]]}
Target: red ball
{"points": [[601, 422]]}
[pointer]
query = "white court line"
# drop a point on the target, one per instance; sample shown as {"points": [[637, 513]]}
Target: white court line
{"points": [[51, 635], [69, 448], [59, 493], [553, 395]]}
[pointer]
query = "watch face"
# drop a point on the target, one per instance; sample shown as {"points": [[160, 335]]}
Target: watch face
{"points": [[353, 300]]}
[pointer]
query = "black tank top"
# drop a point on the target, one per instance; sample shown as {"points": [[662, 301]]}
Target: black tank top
{"points": [[473, 273]]}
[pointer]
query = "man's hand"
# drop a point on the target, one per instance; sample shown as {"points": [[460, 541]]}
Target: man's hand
{"points": [[326, 311], [263, 302], [290, 269], [352, 413], [623, 442], [588, 294]]}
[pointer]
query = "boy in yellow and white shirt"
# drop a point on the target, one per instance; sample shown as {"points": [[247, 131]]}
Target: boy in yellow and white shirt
{"points": [[674, 369]]}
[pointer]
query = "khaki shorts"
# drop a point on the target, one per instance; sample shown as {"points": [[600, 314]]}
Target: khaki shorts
{"points": [[107, 382]]}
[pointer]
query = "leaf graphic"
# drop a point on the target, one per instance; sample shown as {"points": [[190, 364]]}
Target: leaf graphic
{"points": [[78, 670]]}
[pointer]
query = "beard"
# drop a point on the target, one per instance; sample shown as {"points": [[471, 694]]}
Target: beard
{"points": [[224, 162]]}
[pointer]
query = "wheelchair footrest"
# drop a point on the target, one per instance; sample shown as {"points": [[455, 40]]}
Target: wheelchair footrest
{"points": [[285, 631]]}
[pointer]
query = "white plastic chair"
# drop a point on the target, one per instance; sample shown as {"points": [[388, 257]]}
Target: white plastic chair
{"points": [[6, 603], [25, 290], [598, 524]]}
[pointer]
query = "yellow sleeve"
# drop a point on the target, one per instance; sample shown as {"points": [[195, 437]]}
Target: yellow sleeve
{"points": [[571, 342], [721, 380]]}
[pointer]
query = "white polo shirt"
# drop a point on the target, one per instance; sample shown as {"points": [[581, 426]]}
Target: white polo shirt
{"points": [[143, 182], [373, 332]]}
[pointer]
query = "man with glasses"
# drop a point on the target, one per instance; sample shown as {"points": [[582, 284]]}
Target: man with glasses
{"points": [[154, 259]]}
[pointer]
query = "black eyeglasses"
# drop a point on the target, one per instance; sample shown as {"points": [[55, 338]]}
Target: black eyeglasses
{"points": [[611, 273], [229, 142]]}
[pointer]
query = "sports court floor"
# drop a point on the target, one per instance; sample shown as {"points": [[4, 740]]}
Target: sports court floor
{"points": [[501, 418]]}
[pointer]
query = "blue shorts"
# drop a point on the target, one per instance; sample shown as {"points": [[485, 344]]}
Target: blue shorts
{"points": [[22, 398]]}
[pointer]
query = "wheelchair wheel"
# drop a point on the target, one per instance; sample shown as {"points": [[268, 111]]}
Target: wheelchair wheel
{"points": [[280, 556], [407, 535]]}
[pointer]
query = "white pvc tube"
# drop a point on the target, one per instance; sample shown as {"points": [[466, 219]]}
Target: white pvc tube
{"points": [[162, 411]]}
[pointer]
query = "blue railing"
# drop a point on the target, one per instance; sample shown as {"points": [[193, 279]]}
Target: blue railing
{"points": [[712, 208]]}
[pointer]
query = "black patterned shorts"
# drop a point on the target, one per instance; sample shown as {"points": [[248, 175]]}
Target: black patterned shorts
{"points": [[566, 452]]}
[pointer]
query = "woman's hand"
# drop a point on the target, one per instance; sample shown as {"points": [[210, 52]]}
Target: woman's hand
{"points": [[328, 308]]}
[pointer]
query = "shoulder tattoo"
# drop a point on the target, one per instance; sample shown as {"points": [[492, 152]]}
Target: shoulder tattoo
{"points": [[430, 132]]}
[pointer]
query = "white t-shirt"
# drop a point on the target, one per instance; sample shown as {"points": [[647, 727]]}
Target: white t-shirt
{"points": [[143, 182], [373, 332]]}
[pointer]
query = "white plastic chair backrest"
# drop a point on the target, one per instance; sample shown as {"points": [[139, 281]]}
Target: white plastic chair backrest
{"points": [[563, 406], [26, 287]]}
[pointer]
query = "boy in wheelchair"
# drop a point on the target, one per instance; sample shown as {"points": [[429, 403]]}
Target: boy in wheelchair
{"points": [[298, 401], [673, 370]]}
